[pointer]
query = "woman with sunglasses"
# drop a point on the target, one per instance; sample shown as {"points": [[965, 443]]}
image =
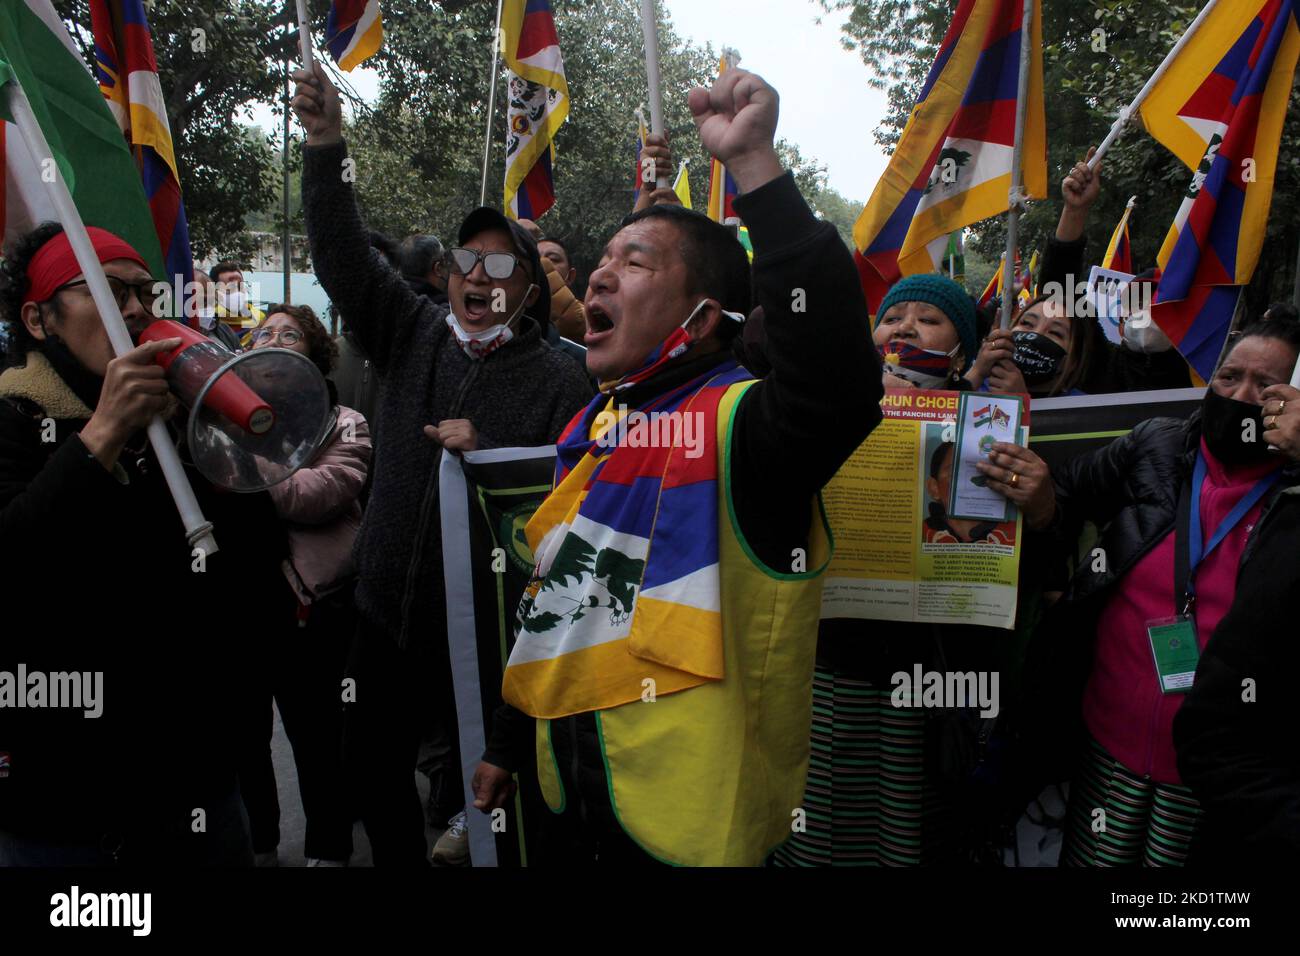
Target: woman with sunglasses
{"points": [[303, 649]]}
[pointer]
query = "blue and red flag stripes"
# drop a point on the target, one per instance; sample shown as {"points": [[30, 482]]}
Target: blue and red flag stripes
{"points": [[1228, 94], [354, 31], [128, 77]]}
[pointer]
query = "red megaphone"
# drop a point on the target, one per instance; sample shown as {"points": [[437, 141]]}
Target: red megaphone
{"points": [[193, 364]]}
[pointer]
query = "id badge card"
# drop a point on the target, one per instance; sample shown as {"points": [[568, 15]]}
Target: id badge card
{"points": [[1173, 645]]}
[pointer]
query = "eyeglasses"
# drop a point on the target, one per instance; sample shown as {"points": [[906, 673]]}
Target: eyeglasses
{"points": [[144, 291], [498, 265], [284, 336]]}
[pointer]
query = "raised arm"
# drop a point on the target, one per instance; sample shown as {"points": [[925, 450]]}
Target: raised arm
{"points": [[822, 396], [375, 302]]}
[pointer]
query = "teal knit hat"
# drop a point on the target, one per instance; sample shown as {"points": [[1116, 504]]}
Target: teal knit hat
{"points": [[945, 295]]}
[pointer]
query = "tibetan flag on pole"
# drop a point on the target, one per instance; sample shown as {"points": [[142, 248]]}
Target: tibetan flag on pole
{"points": [[1028, 282], [682, 185], [993, 291], [1220, 108], [952, 166], [86, 141], [128, 77], [539, 104], [722, 188], [1119, 254], [354, 31]]}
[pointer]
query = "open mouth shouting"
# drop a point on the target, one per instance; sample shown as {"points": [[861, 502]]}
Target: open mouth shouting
{"points": [[599, 325], [477, 307]]}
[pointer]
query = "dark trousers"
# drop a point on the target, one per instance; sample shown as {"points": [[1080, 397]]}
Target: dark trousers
{"points": [[302, 670], [401, 694]]}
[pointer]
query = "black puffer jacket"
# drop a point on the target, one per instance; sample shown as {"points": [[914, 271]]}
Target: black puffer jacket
{"points": [[1130, 491], [1236, 751], [523, 394], [98, 577]]}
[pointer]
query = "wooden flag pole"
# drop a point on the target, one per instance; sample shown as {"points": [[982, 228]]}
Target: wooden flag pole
{"points": [[1128, 112], [198, 530], [491, 106], [1017, 156], [650, 30]]}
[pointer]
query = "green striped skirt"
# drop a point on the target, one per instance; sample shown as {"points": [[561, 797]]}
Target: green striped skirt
{"points": [[1118, 818], [867, 801]]}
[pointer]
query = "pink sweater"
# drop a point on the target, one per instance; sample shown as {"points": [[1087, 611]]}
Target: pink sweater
{"points": [[1123, 706], [320, 508]]}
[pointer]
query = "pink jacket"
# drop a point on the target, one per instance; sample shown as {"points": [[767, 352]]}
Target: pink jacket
{"points": [[320, 508]]}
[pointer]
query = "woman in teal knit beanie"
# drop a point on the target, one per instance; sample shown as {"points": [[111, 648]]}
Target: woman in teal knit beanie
{"points": [[926, 334]]}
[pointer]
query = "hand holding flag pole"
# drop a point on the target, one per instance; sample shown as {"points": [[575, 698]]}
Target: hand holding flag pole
{"points": [[650, 30], [198, 530], [1128, 112]]}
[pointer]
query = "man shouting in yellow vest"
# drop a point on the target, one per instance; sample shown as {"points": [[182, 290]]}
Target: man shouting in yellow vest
{"points": [[663, 663]]}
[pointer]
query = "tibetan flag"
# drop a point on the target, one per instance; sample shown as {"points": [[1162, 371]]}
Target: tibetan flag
{"points": [[539, 104], [89, 151], [682, 185], [722, 188], [1028, 282], [952, 166], [354, 31], [1220, 109], [1119, 254], [128, 77], [993, 291]]}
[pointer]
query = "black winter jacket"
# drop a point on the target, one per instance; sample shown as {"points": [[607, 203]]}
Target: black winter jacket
{"points": [[1236, 751], [1130, 491], [523, 394], [98, 577]]}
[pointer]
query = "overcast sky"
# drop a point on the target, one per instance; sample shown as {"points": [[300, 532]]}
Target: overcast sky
{"points": [[827, 108]]}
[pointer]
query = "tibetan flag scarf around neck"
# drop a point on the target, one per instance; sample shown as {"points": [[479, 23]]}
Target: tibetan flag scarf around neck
{"points": [[625, 595]]}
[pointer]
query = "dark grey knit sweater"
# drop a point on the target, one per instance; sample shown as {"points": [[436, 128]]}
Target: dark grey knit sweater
{"points": [[523, 394]]}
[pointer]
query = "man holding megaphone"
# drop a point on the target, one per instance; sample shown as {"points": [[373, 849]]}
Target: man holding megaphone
{"points": [[101, 586]]}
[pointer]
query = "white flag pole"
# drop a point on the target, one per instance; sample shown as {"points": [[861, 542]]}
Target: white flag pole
{"points": [[304, 36], [1128, 112], [198, 530], [650, 30], [491, 105], [1017, 197]]}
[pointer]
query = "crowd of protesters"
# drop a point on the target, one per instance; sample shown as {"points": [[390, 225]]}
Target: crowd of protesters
{"points": [[327, 595]]}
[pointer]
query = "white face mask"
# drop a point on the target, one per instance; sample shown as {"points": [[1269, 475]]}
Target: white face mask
{"points": [[207, 317], [235, 302], [1141, 334], [481, 343]]}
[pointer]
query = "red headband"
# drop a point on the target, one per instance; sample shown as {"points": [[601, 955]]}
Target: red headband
{"points": [[55, 263]]}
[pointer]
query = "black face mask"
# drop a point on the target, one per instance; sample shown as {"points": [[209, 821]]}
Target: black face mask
{"points": [[1225, 423], [1038, 357], [86, 385]]}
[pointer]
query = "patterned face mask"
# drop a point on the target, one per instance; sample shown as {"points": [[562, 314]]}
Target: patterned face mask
{"points": [[924, 368]]}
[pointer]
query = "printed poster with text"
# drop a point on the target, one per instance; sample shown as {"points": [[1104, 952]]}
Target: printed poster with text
{"points": [[899, 554]]}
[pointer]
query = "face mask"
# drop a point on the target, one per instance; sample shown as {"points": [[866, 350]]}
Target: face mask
{"points": [[1038, 357], [482, 343], [235, 303], [924, 368], [1225, 423], [678, 343], [207, 317], [1141, 334]]}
